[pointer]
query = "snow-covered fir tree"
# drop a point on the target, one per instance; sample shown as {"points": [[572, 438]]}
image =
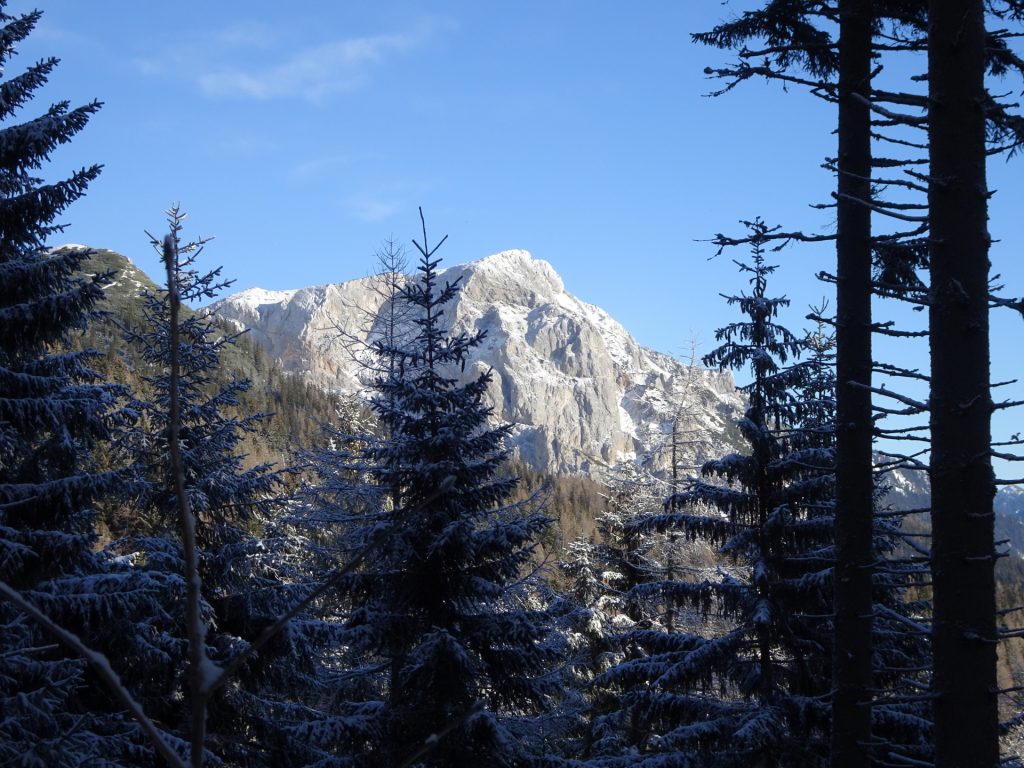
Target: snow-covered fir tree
{"points": [[442, 614], [901, 713], [342, 513], [597, 605], [54, 412], [751, 686], [252, 569]]}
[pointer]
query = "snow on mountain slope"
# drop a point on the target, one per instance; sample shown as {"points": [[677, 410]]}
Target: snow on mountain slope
{"points": [[579, 390]]}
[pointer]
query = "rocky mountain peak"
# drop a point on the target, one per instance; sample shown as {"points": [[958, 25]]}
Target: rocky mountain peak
{"points": [[581, 393], [511, 277]]}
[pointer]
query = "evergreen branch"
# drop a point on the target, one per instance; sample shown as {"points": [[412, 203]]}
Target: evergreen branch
{"points": [[881, 209], [1015, 304], [886, 329], [1005, 456], [889, 393], [895, 117], [432, 741], [331, 582], [101, 664]]}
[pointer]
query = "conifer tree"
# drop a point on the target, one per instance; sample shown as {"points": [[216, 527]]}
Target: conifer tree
{"points": [[250, 569], [750, 687], [53, 412], [599, 603], [442, 610], [799, 36], [963, 483]]}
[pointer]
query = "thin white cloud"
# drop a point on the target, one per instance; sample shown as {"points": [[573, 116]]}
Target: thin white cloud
{"points": [[249, 144], [312, 74], [152, 66], [49, 31], [319, 165], [250, 60], [371, 209]]}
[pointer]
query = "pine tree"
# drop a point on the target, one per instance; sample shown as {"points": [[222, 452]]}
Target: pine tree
{"points": [[53, 412], [443, 609]]}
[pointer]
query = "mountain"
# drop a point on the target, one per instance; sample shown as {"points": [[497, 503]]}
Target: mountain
{"points": [[580, 392], [563, 370], [1009, 508], [1010, 501]]}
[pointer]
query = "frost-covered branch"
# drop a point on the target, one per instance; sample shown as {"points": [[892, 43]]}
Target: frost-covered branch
{"points": [[101, 664], [1015, 304], [921, 406], [882, 209], [329, 583], [894, 118]]}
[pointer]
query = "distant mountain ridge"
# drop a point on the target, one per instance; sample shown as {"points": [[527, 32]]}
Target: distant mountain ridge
{"points": [[580, 392], [486, 301]]}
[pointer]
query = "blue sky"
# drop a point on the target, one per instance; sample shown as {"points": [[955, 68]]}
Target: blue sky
{"points": [[302, 135]]}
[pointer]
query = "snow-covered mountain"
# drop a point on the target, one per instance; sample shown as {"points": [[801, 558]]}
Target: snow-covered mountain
{"points": [[579, 390], [1010, 500]]}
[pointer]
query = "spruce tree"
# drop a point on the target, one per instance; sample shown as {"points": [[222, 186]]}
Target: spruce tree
{"points": [[750, 687], [54, 411], [799, 35], [599, 602], [962, 480], [250, 565], [443, 609]]}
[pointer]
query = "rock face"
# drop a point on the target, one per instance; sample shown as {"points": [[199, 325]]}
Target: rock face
{"points": [[579, 390]]}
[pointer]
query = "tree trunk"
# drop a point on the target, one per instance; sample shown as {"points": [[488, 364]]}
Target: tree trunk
{"points": [[964, 634], [851, 671]]}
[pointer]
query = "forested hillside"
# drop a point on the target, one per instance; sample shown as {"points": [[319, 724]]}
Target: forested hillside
{"points": [[295, 409]]}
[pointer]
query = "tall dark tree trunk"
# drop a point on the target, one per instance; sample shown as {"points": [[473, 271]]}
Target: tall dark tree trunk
{"points": [[964, 634], [851, 703]]}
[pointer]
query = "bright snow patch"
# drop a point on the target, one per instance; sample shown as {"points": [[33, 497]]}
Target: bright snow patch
{"points": [[251, 298]]}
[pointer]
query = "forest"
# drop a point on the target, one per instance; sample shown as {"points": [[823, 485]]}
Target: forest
{"points": [[204, 561]]}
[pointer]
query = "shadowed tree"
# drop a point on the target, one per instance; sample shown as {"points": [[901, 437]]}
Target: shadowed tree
{"points": [[53, 413], [442, 618], [749, 687], [277, 710], [963, 559], [835, 49]]}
